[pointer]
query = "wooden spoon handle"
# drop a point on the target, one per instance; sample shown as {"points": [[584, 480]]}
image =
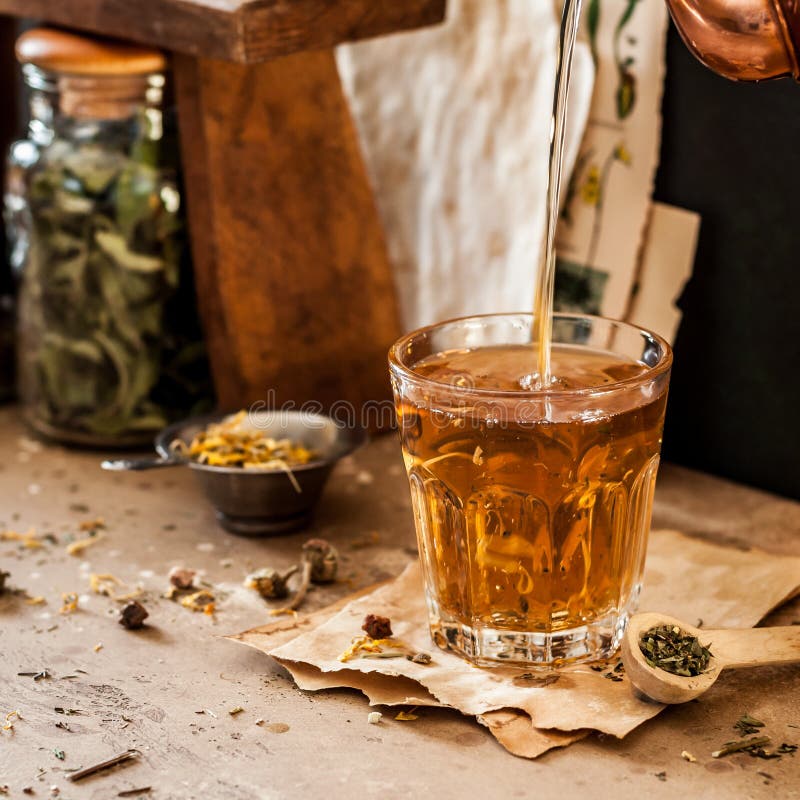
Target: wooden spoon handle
{"points": [[754, 647]]}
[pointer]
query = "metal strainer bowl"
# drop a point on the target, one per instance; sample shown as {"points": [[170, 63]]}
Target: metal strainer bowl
{"points": [[261, 502]]}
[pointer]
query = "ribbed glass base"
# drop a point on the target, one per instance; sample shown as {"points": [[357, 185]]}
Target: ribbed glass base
{"points": [[490, 647]]}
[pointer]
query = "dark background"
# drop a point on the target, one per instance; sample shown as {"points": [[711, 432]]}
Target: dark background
{"points": [[731, 151]]}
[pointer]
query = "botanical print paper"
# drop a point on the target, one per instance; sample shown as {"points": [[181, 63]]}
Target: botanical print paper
{"points": [[607, 202]]}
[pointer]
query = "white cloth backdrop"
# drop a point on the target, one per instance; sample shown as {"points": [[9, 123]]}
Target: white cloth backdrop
{"points": [[454, 123]]}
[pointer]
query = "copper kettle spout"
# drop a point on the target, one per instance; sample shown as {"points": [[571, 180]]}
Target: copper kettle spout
{"points": [[746, 40]]}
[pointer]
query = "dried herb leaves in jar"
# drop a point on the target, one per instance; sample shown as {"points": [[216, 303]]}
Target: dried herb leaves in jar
{"points": [[104, 260], [109, 342]]}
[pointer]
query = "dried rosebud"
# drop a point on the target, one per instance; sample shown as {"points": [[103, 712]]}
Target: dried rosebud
{"points": [[377, 627], [323, 559], [133, 615], [182, 578], [269, 583]]}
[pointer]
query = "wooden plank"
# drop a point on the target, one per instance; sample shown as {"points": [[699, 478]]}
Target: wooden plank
{"points": [[246, 31], [294, 282]]}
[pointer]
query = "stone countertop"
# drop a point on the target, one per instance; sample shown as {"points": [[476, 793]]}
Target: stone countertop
{"points": [[167, 689]]}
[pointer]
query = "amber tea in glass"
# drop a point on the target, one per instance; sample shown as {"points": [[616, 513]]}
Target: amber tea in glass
{"points": [[532, 506]]}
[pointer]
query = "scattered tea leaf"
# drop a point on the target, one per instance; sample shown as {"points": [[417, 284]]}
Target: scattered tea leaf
{"points": [[740, 745], [747, 725]]}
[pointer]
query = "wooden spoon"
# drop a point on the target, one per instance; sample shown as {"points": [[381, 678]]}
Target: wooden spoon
{"points": [[742, 647]]}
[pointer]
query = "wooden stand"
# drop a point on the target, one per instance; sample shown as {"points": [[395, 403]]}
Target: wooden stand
{"points": [[294, 282]]}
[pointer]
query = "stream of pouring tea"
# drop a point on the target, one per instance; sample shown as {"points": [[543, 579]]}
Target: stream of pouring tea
{"points": [[545, 284]]}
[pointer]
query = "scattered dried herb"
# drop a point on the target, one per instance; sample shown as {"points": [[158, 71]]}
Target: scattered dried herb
{"points": [[235, 710], [37, 676], [64, 726], [616, 673], [669, 648], [756, 742], [420, 658], [202, 600], [529, 680], [182, 578], [320, 564], [103, 765], [662, 776], [377, 627], [747, 725], [407, 716], [67, 711], [4, 576], [133, 615], [787, 749], [69, 603], [34, 601], [59, 754], [269, 583], [323, 559], [135, 792], [28, 539], [11, 718], [366, 647], [79, 545], [687, 756]]}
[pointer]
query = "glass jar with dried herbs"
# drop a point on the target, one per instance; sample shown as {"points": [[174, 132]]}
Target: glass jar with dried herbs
{"points": [[109, 346]]}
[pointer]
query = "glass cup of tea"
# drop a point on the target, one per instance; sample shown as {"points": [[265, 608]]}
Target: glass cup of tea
{"points": [[532, 505]]}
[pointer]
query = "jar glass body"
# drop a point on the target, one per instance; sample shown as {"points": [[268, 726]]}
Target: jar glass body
{"points": [[108, 344]]}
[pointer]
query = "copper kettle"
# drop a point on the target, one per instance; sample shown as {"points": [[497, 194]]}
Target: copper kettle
{"points": [[746, 40]]}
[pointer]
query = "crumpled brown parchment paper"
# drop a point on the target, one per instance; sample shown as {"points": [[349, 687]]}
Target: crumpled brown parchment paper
{"points": [[527, 713]]}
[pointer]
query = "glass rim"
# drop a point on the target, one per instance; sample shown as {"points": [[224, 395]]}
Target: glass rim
{"points": [[663, 366]]}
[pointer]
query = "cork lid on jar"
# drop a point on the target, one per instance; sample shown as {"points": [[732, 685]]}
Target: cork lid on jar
{"points": [[97, 78], [78, 54]]}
